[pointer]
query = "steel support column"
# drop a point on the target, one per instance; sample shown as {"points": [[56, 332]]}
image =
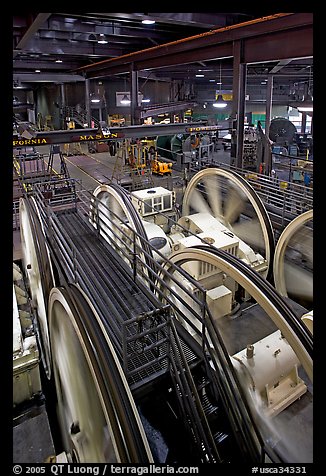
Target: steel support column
{"points": [[63, 105], [63, 96], [303, 122], [134, 108], [269, 102], [238, 104], [87, 102]]}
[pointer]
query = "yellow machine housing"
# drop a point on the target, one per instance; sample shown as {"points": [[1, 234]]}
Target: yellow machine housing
{"points": [[161, 168]]}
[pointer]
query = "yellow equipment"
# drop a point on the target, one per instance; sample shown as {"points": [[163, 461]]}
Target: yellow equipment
{"points": [[161, 168]]}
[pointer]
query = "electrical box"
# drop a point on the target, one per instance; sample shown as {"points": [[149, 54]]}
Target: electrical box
{"points": [[219, 301]]}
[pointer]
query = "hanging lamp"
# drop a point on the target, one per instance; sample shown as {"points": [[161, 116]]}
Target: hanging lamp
{"points": [[220, 103]]}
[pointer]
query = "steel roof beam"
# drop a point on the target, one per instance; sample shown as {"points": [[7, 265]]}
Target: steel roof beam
{"points": [[47, 77], [32, 29], [226, 51], [116, 133], [61, 27], [268, 31], [165, 108], [280, 65], [75, 48], [280, 45]]}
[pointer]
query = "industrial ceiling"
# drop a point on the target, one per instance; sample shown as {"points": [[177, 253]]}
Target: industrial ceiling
{"points": [[64, 47]]}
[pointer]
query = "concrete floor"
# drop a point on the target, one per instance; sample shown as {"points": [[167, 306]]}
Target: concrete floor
{"points": [[32, 437], [100, 168], [94, 169]]}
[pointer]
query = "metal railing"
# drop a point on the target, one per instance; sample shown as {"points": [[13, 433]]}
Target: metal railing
{"points": [[79, 115], [15, 215], [283, 200]]}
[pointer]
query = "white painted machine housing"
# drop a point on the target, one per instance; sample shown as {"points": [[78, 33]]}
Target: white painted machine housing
{"points": [[152, 200], [214, 232], [26, 373], [272, 371]]}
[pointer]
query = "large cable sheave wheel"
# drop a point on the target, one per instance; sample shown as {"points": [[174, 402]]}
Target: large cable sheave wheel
{"points": [[228, 197], [259, 289], [224, 331], [111, 208], [38, 270], [293, 260], [96, 411]]}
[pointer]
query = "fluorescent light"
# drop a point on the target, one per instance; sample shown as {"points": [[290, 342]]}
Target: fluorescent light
{"points": [[58, 61], [37, 71], [148, 22], [306, 105], [305, 108], [220, 105], [145, 100], [95, 100], [200, 75]]}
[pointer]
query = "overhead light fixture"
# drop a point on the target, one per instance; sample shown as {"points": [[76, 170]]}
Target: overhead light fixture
{"points": [[17, 85], [305, 106], [37, 71], [220, 103], [58, 61], [95, 98], [146, 100], [102, 39], [200, 75], [147, 21], [125, 100]]}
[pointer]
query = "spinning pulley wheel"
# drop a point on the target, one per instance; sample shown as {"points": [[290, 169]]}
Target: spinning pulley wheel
{"points": [[279, 332], [257, 287], [293, 260], [231, 200], [111, 209], [38, 269], [97, 415]]}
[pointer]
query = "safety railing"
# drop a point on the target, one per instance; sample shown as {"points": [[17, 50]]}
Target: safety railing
{"points": [[79, 115], [283, 200], [15, 215]]}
